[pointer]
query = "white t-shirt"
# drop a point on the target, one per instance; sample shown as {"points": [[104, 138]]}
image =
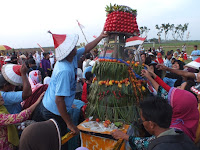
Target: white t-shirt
{"points": [[79, 86], [86, 64]]}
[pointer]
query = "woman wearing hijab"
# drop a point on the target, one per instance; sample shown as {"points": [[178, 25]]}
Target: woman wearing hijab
{"points": [[159, 58], [35, 79], [185, 115], [43, 135]]}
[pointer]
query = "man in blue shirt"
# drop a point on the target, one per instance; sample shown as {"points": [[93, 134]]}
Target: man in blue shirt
{"points": [[12, 99], [60, 94], [195, 53]]}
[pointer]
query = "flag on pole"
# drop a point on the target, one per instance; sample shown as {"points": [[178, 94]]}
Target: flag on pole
{"points": [[134, 41], [40, 47], [94, 36], [80, 25]]}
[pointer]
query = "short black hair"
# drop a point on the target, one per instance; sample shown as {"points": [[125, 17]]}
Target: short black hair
{"points": [[158, 110], [31, 61], [87, 56], [45, 54], [88, 75], [13, 57], [169, 53], [195, 46], [181, 64]]}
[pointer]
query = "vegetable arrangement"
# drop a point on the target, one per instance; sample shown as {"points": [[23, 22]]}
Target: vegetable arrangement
{"points": [[116, 92], [118, 87], [121, 19]]}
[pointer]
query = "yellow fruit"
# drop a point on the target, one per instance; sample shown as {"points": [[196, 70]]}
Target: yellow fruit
{"points": [[143, 88], [110, 82]]}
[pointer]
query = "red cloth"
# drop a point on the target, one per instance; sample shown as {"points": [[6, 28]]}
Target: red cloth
{"points": [[185, 111], [35, 95], [160, 60], [185, 56], [162, 83], [84, 93]]}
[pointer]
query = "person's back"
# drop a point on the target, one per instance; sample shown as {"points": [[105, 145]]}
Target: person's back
{"points": [[172, 142]]}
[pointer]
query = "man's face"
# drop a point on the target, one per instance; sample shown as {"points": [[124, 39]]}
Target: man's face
{"points": [[143, 58], [71, 55], [169, 56], [195, 47]]}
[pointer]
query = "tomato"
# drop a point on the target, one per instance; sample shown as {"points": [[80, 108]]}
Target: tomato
{"points": [[97, 120], [87, 119]]}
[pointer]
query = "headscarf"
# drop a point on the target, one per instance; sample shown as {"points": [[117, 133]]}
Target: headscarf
{"points": [[34, 79], [41, 136], [160, 60], [185, 111]]}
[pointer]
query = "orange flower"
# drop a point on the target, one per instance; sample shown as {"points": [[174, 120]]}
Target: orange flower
{"points": [[132, 62], [114, 60], [116, 82], [136, 64], [128, 62]]}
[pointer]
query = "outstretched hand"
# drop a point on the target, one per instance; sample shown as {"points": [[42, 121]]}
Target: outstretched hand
{"points": [[120, 135], [161, 67], [145, 73], [104, 34]]}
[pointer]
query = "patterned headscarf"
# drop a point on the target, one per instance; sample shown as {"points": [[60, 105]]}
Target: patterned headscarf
{"points": [[34, 79]]}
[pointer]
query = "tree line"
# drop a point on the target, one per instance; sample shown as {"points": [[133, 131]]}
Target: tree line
{"points": [[177, 31]]}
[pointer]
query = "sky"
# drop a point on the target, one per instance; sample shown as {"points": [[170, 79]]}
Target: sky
{"points": [[24, 23]]}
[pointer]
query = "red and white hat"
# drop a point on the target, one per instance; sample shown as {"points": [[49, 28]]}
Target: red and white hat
{"points": [[194, 64], [64, 44], [12, 74], [196, 89]]}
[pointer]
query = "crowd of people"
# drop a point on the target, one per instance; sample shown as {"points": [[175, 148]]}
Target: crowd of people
{"points": [[56, 90]]}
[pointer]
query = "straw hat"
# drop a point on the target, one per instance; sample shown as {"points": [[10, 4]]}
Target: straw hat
{"points": [[64, 44], [12, 74], [23, 56], [194, 64], [7, 60]]}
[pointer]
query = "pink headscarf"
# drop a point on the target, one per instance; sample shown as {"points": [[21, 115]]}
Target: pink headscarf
{"points": [[185, 111], [34, 79]]}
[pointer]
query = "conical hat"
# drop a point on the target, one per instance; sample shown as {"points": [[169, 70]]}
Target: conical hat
{"points": [[196, 89], [64, 44], [194, 64], [12, 74]]}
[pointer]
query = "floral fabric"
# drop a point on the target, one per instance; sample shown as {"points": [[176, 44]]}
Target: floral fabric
{"points": [[8, 119]]}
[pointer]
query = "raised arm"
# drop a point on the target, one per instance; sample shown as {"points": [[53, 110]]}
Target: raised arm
{"points": [[8, 119], [27, 92], [146, 74], [178, 72], [92, 44]]}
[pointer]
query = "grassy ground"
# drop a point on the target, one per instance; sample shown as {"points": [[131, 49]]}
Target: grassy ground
{"points": [[175, 45]]}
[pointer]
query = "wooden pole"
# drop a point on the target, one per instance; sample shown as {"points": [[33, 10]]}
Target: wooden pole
{"points": [[82, 32]]}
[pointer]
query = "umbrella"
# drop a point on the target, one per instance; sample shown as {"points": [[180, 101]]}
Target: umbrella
{"points": [[5, 47]]}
